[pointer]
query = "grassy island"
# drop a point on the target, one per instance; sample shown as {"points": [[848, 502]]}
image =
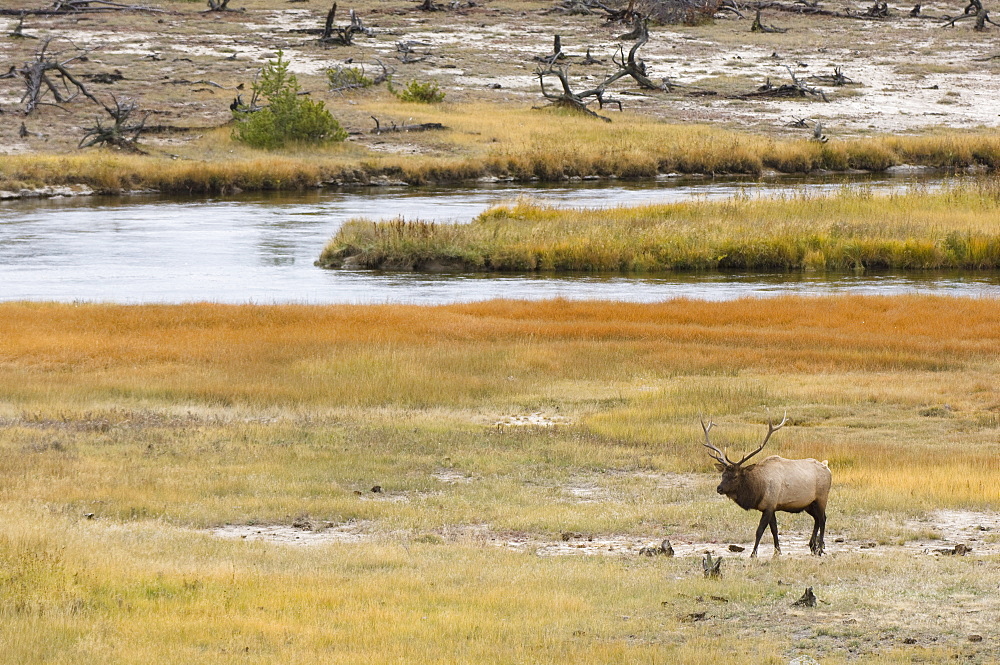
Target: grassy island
{"points": [[954, 228]]}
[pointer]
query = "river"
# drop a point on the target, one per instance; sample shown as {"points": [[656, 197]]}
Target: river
{"points": [[260, 248]]}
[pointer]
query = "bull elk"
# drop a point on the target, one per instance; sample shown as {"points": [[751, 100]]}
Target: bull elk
{"points": [[773, 484]]}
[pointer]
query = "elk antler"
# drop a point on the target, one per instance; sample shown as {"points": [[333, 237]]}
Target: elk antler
{"points": [[771, 429], [719, 456]]}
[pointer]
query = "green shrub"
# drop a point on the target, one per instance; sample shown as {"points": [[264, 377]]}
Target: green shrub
{"points": [[287, 116], [415, 91]]}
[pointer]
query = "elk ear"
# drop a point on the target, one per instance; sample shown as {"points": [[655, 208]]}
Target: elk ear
{"points": [[720, 467]]}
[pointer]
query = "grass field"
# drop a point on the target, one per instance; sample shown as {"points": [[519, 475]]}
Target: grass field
{"points": [[130, 432]]}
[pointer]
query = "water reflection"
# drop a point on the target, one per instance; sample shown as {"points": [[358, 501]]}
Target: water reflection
{"points": [[261, 248]]}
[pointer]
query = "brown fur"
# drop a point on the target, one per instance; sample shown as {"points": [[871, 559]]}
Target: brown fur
{"points": [[776, 484]]}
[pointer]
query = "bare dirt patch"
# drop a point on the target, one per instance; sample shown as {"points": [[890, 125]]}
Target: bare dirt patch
{"points": [[538, 419], [958, 528]]}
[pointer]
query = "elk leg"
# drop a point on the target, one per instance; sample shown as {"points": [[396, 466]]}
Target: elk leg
{"points": [[765, 518], [774, 533], [819, 529]]}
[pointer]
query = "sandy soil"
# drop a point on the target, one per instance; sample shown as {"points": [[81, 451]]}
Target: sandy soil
{"points": [[185, 65]]}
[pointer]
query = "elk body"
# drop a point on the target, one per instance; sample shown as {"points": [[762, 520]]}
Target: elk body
{"points": [[775, 484]]}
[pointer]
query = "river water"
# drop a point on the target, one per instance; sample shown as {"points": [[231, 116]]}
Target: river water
{"points": [[261, 248]]}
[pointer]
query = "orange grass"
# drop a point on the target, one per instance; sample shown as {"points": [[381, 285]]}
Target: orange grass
{"points": [[815, 357], [302, 354]]}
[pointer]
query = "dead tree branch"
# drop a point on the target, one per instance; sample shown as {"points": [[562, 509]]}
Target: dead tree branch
{"points": [[407, 54], [557, 53], [836, 79], [757, 26], [38, 82], [629, 66], [18, 31], [342, 36], [813, 9], [973, 10], [574, 100], [123, 134], [794, 89]]}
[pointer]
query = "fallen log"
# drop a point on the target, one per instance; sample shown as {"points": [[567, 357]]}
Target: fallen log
{"points": [[413, 127]]}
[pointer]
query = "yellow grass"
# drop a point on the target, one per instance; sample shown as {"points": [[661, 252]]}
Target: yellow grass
{"points": [[491, 140], [852, 230], [127, 429]]}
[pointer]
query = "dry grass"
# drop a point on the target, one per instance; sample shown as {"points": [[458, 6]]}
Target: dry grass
{"points": [[156, 420], [492, 141]]}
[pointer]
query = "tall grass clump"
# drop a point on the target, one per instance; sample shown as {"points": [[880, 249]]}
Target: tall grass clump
{"points": [[286, 115], [848, 231]]}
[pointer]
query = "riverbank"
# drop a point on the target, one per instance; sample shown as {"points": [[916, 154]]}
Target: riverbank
{"points": [[519, 145], [852, 230]]}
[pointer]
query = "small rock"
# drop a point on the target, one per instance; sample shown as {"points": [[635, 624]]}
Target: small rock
{"points": [[909, 640], [803, 660], [377, 489], [975, 638], [868, 546], [737, 548]]}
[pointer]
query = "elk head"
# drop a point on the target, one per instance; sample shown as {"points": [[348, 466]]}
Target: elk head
{"points": [[733, 472]]}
